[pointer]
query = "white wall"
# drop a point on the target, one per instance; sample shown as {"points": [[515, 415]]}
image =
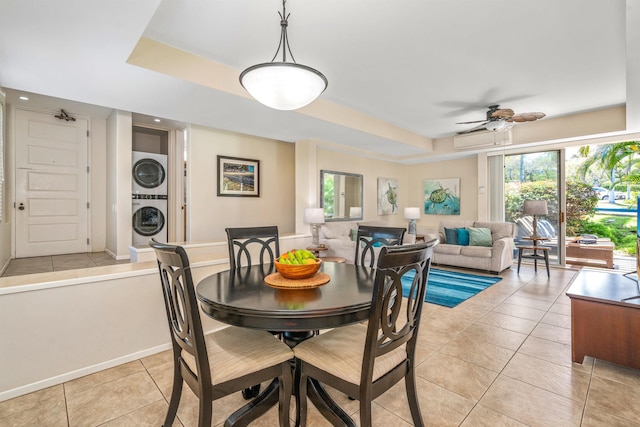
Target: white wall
{"points": [[371, 170], [98, 200], [410, 184], [67, 329], [208, 214], [118, 184], [466, 169]]}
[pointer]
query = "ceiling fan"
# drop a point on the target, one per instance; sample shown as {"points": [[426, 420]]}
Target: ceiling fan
{"points": [[501, 119]]}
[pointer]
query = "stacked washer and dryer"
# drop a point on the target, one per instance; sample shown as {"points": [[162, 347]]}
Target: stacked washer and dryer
{"points": [[149, 196]]}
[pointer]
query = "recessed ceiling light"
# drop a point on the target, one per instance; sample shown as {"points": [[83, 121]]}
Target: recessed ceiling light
{"points": [[24, 98], [156, 120]]}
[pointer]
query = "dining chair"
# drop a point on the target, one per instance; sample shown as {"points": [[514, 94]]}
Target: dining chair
{"points": [[365, 360], [371, 237], [242, 241], [220, 363]]}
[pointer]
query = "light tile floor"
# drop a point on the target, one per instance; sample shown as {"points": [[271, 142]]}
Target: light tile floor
{"points": [[502, 358], [45, 264]]}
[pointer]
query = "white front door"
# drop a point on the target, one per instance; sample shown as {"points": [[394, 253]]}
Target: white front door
{"points": [[51, 184]]}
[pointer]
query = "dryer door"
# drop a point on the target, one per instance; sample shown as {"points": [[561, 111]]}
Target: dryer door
{"points": [[148, 221], [148, 173]]}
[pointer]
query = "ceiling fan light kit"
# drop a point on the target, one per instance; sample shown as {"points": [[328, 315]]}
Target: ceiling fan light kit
{"points": [[495, 125], [283, 85]]}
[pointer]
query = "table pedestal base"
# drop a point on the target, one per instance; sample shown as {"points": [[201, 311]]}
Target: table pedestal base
{"points": [[270, 396]]}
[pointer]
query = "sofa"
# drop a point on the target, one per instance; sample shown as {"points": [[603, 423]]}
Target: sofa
{"points": [[340, 238], [489, 246]]}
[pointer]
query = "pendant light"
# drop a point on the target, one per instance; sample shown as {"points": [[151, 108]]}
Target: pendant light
{"points": [[283, 85]]}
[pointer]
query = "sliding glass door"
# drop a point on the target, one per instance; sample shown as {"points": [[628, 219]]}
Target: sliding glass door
{"points": [[534, 176]]}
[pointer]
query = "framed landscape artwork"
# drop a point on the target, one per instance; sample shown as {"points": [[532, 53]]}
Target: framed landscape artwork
{"points": [[442, 196], [387, 196], [238, 177]]}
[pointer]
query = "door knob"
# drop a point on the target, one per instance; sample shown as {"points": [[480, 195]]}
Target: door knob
{"points": [[21, 206]]}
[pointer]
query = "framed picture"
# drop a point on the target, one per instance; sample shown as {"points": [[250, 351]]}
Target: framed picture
{"points": [[387, 196], [442, 196], [238, 177]]}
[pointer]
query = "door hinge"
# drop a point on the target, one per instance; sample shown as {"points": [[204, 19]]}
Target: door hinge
{"points": [[87, 134], [87, 205], [87, 169], [87, 240]]}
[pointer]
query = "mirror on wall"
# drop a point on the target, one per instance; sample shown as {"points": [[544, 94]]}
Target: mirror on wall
{"points": [[341, 195]]}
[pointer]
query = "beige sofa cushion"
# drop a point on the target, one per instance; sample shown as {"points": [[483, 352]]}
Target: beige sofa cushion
{"points": [[476, 251], [445, 248]]}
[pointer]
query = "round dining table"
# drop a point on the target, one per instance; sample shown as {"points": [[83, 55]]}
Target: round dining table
{"points": [[243, 298]]}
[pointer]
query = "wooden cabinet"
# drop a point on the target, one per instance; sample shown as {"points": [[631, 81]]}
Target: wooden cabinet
{"points": [[603, 325]]}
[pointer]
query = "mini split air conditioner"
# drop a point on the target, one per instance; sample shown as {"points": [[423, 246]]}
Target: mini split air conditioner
{"points": [[484, 139]]}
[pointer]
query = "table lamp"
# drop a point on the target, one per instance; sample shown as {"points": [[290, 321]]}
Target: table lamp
{"points": [[412, 214], [314, 216], [535, 208]]}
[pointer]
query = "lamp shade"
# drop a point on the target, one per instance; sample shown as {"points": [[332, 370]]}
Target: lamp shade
{"points": [[355, 212], [283, 85], [314, 216], [535, 207], [412, 213]]}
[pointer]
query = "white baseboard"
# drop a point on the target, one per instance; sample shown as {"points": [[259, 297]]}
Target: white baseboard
{"points": [[68, 376]]}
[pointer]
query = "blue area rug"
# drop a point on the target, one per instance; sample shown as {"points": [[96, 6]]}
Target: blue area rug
{"points": [[450, 288]]}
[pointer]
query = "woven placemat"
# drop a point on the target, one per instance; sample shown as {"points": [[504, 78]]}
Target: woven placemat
{"points": [[277, 281]]}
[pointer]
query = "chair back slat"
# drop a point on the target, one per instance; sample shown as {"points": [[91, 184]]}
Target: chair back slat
{"points": [[370, 237], [261, 240], [182, 310], [391, 324]]}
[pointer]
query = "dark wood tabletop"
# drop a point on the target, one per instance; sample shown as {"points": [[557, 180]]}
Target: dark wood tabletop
{"points": [[244, 299]]}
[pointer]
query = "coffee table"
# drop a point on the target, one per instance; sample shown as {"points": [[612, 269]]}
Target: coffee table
{"points": [[597, 254]]}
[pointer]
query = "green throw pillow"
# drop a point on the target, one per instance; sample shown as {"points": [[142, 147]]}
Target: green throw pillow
{"points": [[480, 236]]}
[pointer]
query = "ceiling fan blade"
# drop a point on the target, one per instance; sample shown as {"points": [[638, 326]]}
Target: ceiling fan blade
{"points": [[473, 129], [526, 117], [503, 113], [468, 123]]}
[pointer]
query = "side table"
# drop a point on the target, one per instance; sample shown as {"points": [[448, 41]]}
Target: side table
{"points": [[535, 256]]}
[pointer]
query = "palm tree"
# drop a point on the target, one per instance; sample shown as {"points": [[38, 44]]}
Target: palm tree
{"points": [[610, 158]]}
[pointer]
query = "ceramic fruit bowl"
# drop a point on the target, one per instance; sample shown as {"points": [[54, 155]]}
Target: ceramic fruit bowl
{"points": [[298, 271]]}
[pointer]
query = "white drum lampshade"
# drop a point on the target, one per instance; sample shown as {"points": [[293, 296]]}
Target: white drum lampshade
{"points": [[412, 214], [314, 216], [535, 208]]}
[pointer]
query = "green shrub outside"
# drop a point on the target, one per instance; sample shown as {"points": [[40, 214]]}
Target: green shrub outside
{"points": [[581, 202], [622, 230]]}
